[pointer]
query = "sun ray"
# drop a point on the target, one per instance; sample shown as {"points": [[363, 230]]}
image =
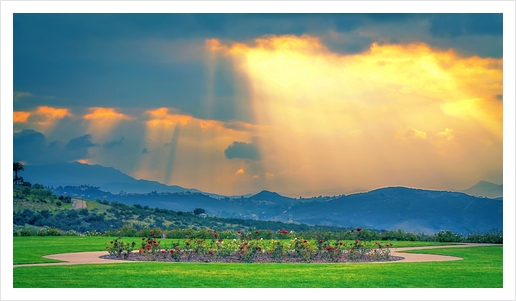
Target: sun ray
{"points": [[329, 114]]}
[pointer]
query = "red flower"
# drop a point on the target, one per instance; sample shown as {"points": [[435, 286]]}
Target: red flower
{"points": [[242, 251], [238, 231], [320, 241], [270, 253], [141, 250], [350, 251], [358, 229], [340, 243], [304, 241], [111, 242], [162, 251], [356, 240], [256, 232], [375, 250], [220, 239], [171, 251], [214, 234], [210, 252], [187, 243], [143, 238], [107, 247], [148, 247]]}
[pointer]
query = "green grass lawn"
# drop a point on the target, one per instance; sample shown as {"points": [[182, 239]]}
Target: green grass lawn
{"points": [[30, 249], [482, 267]]}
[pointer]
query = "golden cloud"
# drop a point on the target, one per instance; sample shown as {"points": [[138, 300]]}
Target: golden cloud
{"points": [[20, 117], [51, 114], [106, 114]]}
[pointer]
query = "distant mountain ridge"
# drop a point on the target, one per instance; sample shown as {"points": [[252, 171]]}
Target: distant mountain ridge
{"points": [[487, 189], [107, 178], [390, 208]]}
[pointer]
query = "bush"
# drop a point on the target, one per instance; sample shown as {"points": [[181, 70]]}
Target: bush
{"points": [[93, 233], [25, 232], [49, 232], [448, 236]]}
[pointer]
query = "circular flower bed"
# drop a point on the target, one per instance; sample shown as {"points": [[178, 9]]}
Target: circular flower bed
{"points": [[251, 248]]}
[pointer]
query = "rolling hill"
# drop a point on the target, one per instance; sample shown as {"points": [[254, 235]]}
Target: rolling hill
{"points": [[390, 208], [486, 189]]}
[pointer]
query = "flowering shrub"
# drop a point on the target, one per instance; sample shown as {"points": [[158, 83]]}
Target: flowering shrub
{"points": [[120, 249]]}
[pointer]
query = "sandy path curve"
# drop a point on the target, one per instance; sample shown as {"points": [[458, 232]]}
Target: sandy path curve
{"points": [[94, 257]]}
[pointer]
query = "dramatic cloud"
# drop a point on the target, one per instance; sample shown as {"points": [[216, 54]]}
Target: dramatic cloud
{"points": [[78, 147], [302, 104], [29, 147], [32, 147], [242, 150]]}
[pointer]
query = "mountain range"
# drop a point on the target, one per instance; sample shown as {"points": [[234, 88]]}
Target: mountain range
{"points": [[106, 178], [390, 208]]}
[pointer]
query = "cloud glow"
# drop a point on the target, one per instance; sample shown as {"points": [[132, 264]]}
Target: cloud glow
{"points": [[376, 117]]}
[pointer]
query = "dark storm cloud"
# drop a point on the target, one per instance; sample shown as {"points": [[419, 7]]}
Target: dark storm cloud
{"points": [[80, 143], [453, 25], [243, 150], [31, 147]]}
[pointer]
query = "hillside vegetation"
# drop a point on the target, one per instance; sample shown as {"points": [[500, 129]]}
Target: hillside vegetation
{"points": [[36, 207], [37, 211]]}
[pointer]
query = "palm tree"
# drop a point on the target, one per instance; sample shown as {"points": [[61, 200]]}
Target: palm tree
{"points": [[17, 166]]}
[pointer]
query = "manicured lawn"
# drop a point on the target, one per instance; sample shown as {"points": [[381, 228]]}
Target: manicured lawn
{"points": [[481, 267], [29, 249]]}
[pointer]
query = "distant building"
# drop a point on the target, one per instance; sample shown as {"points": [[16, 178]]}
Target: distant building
{"points": [[203, 215]]}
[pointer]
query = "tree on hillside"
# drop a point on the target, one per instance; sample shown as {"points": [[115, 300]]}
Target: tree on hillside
{"points": [[198, 211], [17, 166]]}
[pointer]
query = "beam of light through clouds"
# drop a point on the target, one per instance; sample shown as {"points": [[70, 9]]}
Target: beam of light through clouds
{"points": [[382, 117]]}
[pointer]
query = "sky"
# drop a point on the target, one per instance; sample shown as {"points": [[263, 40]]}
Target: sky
{"points": [[301, 104]]}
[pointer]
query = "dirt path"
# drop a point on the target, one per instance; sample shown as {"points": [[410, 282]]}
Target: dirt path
{"points": [[409, 257], [94, 257], [78, 204]]}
